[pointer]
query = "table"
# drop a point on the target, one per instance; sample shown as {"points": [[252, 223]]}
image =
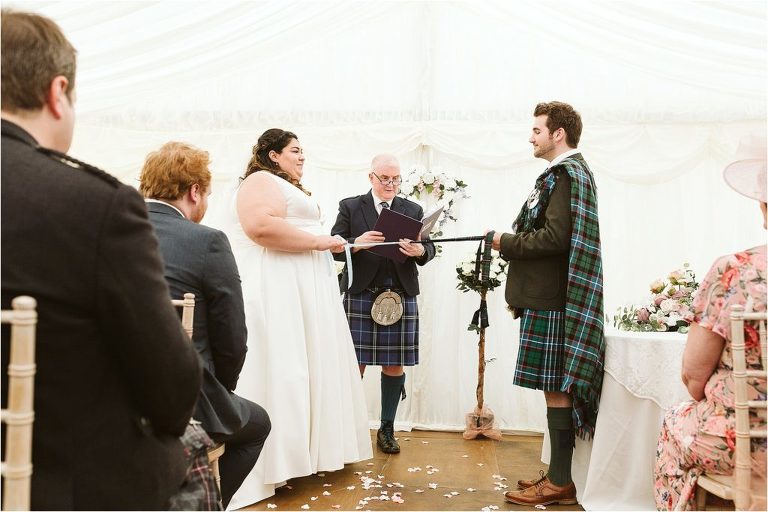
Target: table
{"points": [[642, 379]]}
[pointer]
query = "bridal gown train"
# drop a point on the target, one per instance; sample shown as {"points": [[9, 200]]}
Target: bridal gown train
{"points": [[301, 364]]}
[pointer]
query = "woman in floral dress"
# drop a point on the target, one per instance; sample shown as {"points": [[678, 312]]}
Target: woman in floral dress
{"points": [[699, 435]]}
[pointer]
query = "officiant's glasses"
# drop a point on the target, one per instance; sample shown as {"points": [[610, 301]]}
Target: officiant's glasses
{"points": [[388, 181]]}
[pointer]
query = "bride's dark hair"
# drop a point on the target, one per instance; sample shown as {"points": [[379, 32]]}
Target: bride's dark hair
{"points": [[275, 140]]}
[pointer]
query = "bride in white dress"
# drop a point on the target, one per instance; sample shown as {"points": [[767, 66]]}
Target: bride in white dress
{"points": [[301, 365]]}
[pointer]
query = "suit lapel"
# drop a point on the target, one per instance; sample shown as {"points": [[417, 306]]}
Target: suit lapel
{"points": [[369, 210]]}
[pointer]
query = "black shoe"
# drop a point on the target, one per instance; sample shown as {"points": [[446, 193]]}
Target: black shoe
{"points": [[385, 438]]}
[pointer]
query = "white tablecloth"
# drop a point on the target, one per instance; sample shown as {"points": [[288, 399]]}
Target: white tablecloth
{"points": [[642, 379]]}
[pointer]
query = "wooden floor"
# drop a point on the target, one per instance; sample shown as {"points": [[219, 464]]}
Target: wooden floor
{"points": [[443, 458]]}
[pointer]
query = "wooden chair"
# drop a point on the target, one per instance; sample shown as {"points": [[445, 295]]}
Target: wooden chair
{"points": [[737, 486], [17, 467], [187, 321]]}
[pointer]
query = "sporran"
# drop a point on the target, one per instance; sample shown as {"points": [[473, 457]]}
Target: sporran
{"points": [[387, 308]]}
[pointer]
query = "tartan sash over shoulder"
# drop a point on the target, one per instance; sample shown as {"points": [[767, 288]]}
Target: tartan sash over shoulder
{"points": [[584, 339]]}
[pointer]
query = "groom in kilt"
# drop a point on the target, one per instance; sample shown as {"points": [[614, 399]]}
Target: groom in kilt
{"points": [[394, 343], [555, 286]]}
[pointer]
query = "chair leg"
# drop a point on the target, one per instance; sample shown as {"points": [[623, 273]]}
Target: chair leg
{"points": [[701, 498], [216, 474]]}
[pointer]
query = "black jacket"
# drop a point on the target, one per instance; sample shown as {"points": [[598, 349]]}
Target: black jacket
{"points": [[358, 215], [198, 259], [117, 378]]}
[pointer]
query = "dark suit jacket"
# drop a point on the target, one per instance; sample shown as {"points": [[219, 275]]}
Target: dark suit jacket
{"points": [[116, 377], [537, 276], [198, 259], [358, 215]]}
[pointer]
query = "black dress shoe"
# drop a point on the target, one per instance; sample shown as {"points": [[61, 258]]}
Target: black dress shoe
{"points": [[385, 438]]}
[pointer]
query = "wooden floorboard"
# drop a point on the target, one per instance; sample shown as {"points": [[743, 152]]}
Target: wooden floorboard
{"points": [[478, 464]]}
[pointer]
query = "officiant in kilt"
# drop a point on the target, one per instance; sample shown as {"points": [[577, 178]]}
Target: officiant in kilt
{"points": [[390, 340]]}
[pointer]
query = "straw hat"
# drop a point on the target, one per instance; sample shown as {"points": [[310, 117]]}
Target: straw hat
{"points": [[747, 175]]}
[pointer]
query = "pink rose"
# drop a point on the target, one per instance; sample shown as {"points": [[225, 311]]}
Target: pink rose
{"points": [[643, 315], [659, 299]]}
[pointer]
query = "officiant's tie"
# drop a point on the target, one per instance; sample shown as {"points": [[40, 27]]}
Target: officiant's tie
{"points": [[384, 205]]}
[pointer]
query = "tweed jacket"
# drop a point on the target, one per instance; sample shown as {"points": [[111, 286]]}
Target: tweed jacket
{"points": [[198, 259], [358, 215], [537, 276], [117, 378]]}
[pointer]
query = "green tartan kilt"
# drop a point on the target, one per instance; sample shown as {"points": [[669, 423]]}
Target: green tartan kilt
{"points": [[540, 361]]}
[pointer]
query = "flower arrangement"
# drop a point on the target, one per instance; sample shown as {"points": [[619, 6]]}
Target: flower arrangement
{"points": [[465, 271], [669, 308], [430, 187]]}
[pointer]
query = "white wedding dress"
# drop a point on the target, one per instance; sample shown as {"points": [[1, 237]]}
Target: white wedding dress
{"points": [[301, 364]]}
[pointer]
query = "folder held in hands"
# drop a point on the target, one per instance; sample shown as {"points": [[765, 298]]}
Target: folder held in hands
{"points": [[395, 226]]}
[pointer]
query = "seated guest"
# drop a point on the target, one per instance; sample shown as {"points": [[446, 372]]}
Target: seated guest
{"points": [[698, 436], [116, 378], [176, 182]]}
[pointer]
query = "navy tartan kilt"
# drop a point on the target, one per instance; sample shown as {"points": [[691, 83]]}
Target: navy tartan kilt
{"points": [[540, 361], [380, 345]]}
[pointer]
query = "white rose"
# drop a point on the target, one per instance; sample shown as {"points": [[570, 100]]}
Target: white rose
{"points": [[495, 267], [672, 319], [669, 305], [428, 178], [449, 183], [467, 267]]}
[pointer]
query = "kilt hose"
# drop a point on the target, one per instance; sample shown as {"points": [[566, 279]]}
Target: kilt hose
{"points": [[540, 360], [383, 345]]}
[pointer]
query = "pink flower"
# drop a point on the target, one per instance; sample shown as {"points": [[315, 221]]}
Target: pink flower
{"points": [[728, 276], [751, 339], [742, 257], [659, 299], [730, 439], [643, 315]]}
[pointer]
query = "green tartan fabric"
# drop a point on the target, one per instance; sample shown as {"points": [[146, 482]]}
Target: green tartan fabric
{"points": [[584, 337]]}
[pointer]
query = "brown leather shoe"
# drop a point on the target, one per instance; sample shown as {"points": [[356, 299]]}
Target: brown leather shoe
{"points": [[385, 438], [543, 492], [524, 484]]}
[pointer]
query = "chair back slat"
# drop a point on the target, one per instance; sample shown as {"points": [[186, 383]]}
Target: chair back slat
{"points": [[743, 461], [187, 313], [19, 416]]}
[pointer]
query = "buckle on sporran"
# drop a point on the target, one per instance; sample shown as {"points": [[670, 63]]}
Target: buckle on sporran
{"points": [[387, 308]]}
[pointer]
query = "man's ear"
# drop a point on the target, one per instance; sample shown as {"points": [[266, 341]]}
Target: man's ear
{"points": [[195, 194], [56, 94], [559, 134]]}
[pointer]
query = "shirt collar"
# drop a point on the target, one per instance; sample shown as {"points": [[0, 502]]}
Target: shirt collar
{"points": [[166, 204], [562, 156], [377, 200]]}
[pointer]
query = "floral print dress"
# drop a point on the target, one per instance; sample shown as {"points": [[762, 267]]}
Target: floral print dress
{"points": [[699, 436]]}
